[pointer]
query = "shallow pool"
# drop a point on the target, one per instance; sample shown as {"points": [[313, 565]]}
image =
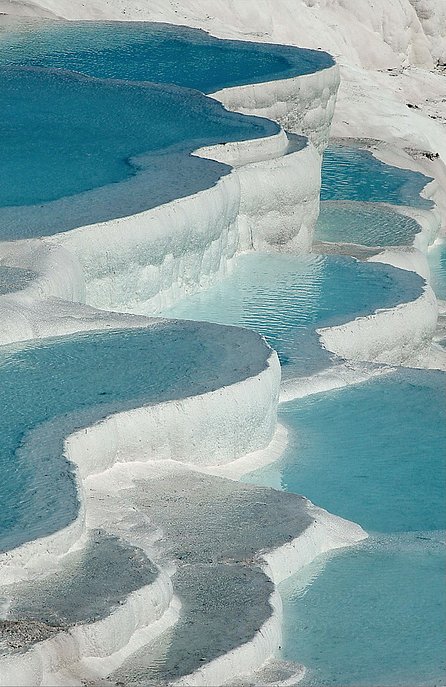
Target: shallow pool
{"points": [[286, 298], [366, 224], [392, 483], [352, 173], [372, 616], [90, 583], [65, 133], [374, 453]]}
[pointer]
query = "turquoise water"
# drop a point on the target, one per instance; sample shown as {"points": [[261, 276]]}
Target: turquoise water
{"points": [[64, 133], [365, 224], [374, 616], [285, 298], [74, 382], [351, 173], [143, 51], [437, 264], [374, 453], [395, 483]]}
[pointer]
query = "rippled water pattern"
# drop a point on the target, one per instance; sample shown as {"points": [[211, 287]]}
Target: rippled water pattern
{"points": [[369, 615], [286, 298], [76, 381], [437, 265], [364, 224], [374, 454], [352, 173], [143, 51]]}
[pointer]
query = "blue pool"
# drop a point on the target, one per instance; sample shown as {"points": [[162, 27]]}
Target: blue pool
{"points": [[161, 53], [78, 381], [352, 173], [91, 105], [67, 133], [366, 224], [286, 298], [372, 616], [374, 453], [394, 483]]}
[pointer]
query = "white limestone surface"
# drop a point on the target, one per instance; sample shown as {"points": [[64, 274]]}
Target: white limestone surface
{"points": [[407, 37], [279, 203], [52, 301], [168, 251], [93, 649], [367, 35], [335, 377], [431, 166], [45, 308], [375, 105], [303, 104], [207, 429], [324, 533], [410, 259], [429, 222], [268, 201], [432, 15], [391, 34]]}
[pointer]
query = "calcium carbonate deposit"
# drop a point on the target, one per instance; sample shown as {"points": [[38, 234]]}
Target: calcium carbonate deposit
{"points": [[222, 343]]}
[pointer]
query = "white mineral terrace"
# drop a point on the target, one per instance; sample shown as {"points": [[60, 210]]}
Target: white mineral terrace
{"points": [[269, 202]]}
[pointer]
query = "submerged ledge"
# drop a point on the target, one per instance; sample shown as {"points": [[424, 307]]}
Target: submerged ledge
{"points": [[132, 500]]}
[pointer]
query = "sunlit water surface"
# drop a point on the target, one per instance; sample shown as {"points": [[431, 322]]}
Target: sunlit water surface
{"points": [[372, 453], [373, 616], [64, 133], [386, 629]]}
